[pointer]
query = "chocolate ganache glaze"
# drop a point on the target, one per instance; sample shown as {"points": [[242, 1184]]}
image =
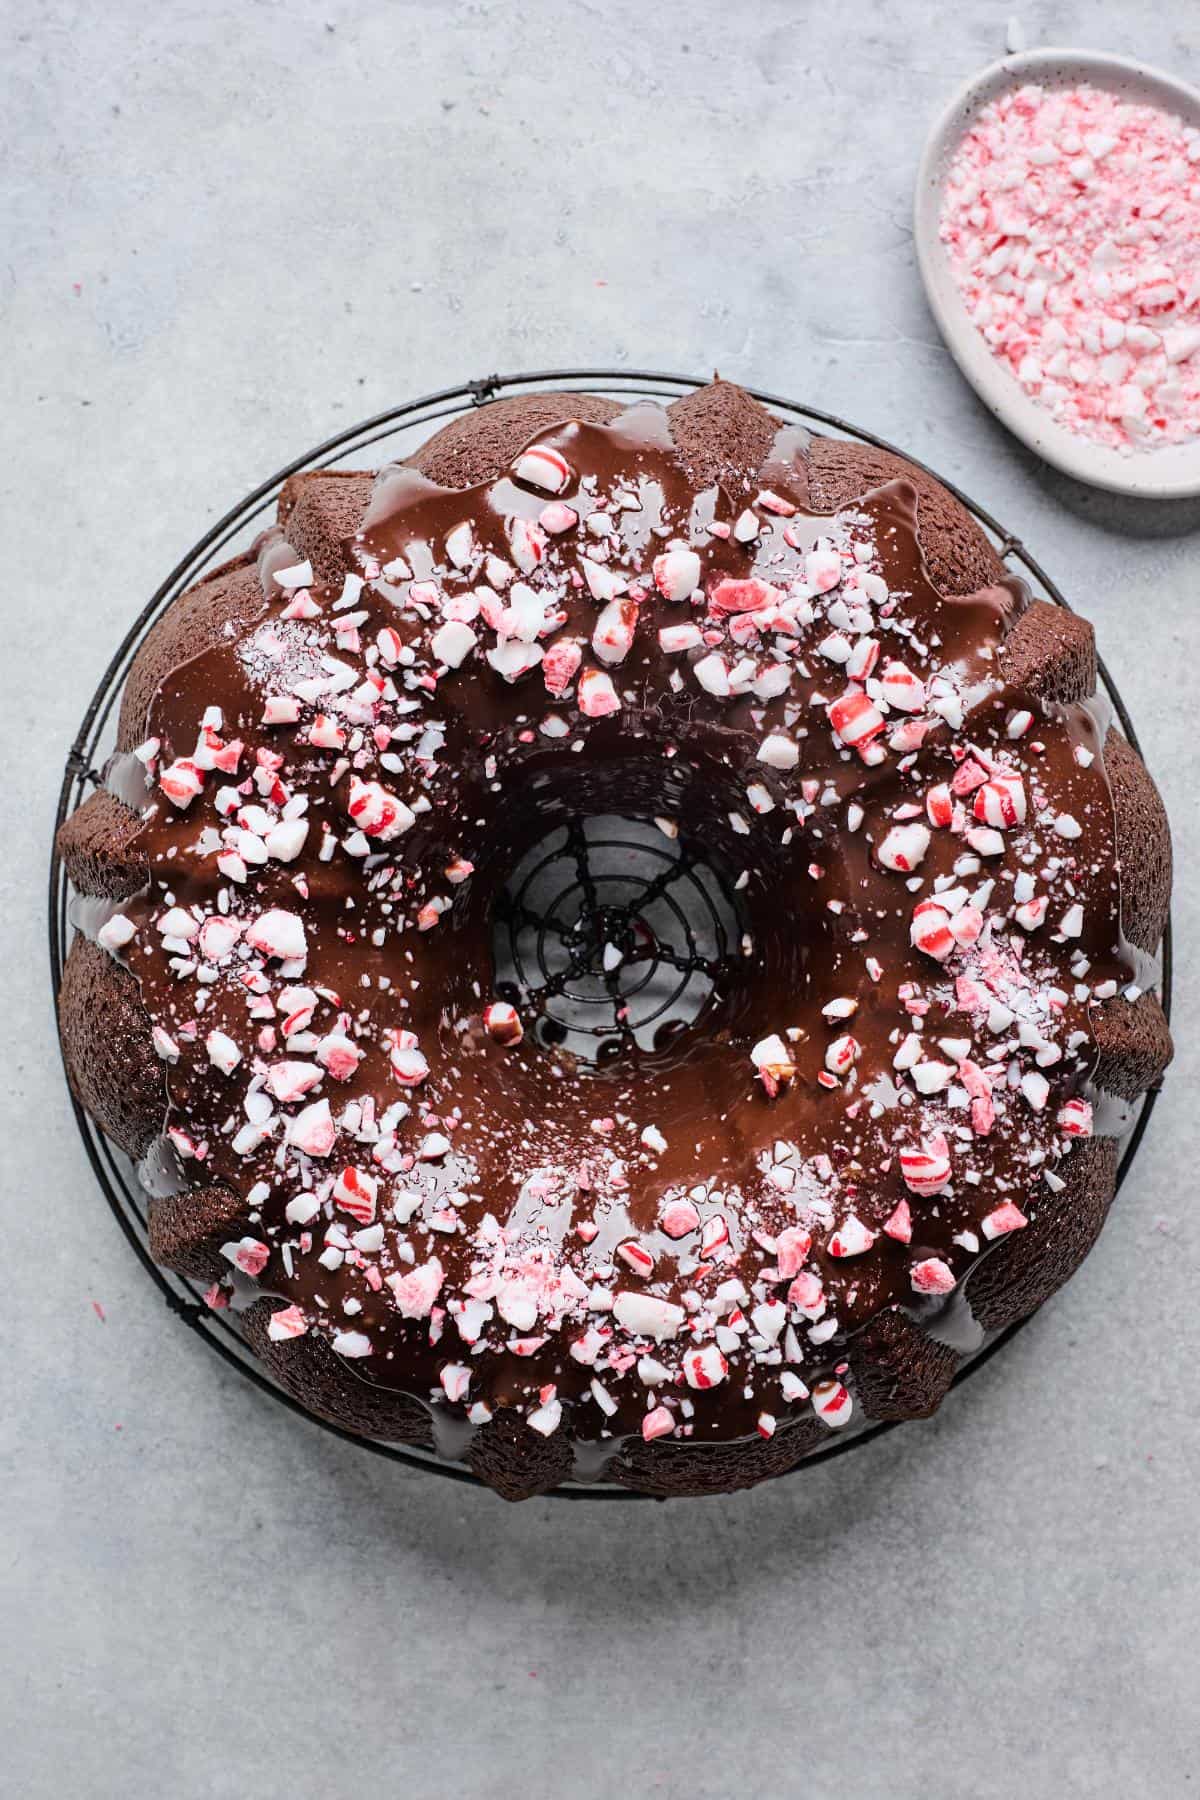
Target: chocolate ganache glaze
{"points": [[892, 1052]]}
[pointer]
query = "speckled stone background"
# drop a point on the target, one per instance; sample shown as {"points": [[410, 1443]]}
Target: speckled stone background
{"points": [[227, 230]]}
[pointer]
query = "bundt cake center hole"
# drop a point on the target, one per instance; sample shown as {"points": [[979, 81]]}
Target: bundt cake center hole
{"points": [[616, 938]]}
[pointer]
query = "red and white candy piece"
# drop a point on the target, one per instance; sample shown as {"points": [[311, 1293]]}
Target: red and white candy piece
{"points": [[904, 847], [354, 1192], [212, 752], [704, 1367], [339, 1056], [930, 930], [612, 638], [822, 570], [287, 1322], [714, 1234], [232, 866], [807, 1295], [1074, 1118], [969, 775], [248, 1254], [560, 664], [773, 1060], [296, 1006], [775, 503], [657, 1423], [377, 812], [389, 644], [673, 639], [899, 1225], [862, 658], [280, 709], [792, 1246], [832, 1403], [636, 1256], [313, 1130], [842, 1054], [712, 672], [1003, 1219], [927, 1170], [1000, 802], [855, 718], [1036, 1088], [985, 840], [966, 925], [597, 695], [456, 1381], [502, 1023], [932, 1276], [181, 782], [543, 467], [300, 575], [778, 751], [285, 840], [547, 1417], [326, 734], [218, 937], [678, 1219], [603, 582], [527, 542], [278, 934], [415, 1292], [677, 574], [931, 1076], [460, 545], [852, 1238], [903, 691], [745, 595]]}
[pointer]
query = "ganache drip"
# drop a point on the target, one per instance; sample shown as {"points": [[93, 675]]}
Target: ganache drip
{"points": [[680, 1241]]}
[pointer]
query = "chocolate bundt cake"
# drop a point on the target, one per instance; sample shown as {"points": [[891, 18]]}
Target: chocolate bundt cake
{"points": [[621, 944]]}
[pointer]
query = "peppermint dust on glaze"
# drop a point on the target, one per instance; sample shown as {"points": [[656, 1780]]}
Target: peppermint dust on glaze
{"points": [[891, 1065]]}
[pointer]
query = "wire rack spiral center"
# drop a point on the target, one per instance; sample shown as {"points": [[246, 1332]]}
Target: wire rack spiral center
{"points": [[617, 933]]}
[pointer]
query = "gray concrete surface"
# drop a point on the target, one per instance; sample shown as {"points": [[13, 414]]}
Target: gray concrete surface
{"points": [[228, 229]]}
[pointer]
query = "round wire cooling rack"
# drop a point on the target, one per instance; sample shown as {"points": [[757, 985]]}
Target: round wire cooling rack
{"points": [[401, 429]]}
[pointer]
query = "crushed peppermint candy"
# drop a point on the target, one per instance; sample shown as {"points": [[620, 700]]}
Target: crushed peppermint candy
{"points": [[1071, 219], [925, 891]]}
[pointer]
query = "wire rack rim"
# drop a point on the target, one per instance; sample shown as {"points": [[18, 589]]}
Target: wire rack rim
{"points": [[79, 771]]}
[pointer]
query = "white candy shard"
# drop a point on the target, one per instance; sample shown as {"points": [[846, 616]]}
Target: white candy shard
{"points": [[643, 1315], [452, 643], [677, 574]]}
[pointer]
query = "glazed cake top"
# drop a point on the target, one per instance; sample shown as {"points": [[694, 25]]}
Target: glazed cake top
{"points": [[892, 1057]]}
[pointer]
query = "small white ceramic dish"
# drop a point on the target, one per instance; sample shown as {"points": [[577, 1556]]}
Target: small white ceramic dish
{"points": [[1170, 473]]}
